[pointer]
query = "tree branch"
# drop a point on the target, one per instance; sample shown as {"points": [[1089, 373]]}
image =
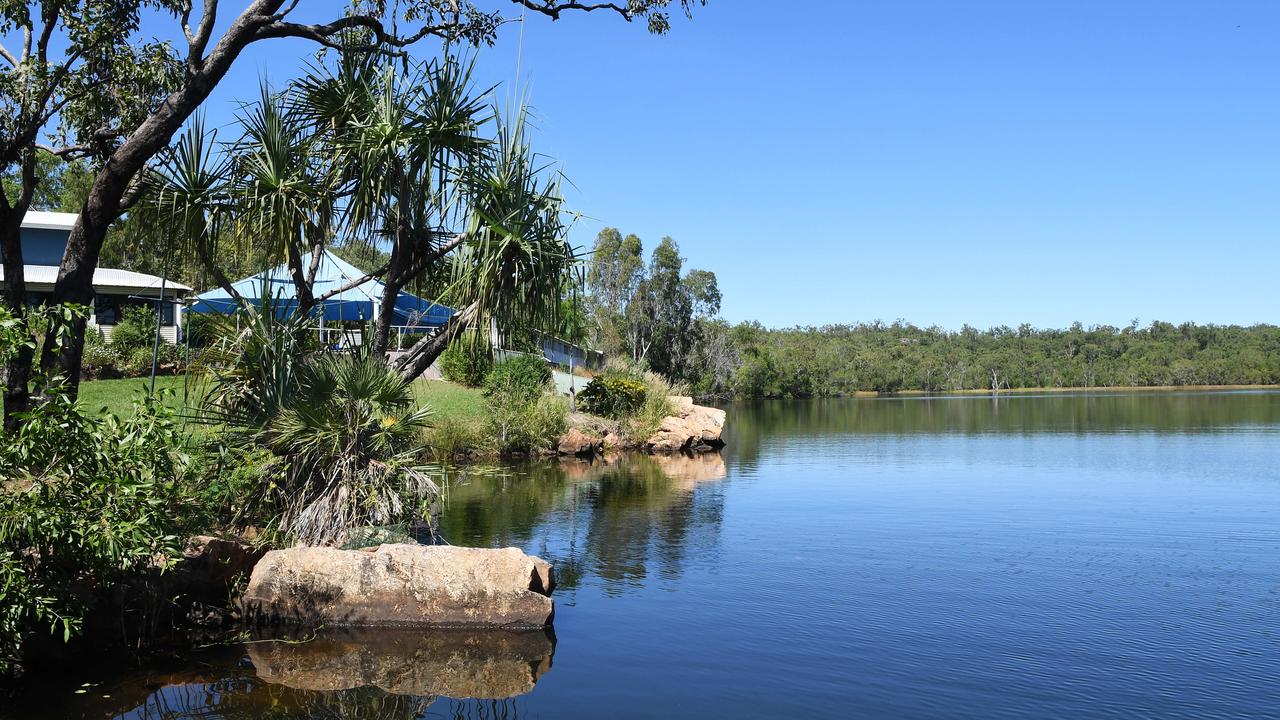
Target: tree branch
{"points": [[422, 262], [8, 56], [50, 22], [553, 9], [354, 283], [196, 43], [324, 34], [65, 151]]}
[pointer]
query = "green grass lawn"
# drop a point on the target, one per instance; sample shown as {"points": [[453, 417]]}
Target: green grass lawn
{"points": [[448, 400], [116, 396]]}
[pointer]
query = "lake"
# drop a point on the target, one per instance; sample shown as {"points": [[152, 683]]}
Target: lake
{"points": [[1082, 556]]}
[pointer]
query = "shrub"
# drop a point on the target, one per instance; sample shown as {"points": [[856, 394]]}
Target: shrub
{"points": [[519, 413], [345, 441], [613, 396], [450, 437], [466, 362], [527, 373], [199, 329], [136, 361], [98, 354], [136, 329], [86, 500]]}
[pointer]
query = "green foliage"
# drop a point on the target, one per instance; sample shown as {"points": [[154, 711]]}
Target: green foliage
{"points": [[527, 374], [84, 499], [522, 417], [520, 424], [136, 330], [654, 315], [343, 431], [466, 361], [99, 355], [13, 334], [346, 441], [614, 396], [201, 329], [254, 365], [875, 357], [451, 437], [656, 407]]}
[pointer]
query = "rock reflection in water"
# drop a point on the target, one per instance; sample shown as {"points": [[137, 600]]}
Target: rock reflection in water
{"points": [[383, 674], [491, 664]]}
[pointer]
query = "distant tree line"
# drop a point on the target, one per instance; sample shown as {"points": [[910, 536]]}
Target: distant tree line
{"points": [[887, 358], [661, 316]]}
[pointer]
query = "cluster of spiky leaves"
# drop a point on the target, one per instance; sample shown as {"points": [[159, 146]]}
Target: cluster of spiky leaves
{"points": [[344, 430], [377, 155]]}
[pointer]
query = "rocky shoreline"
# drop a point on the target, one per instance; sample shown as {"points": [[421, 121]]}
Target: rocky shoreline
{"points": [[690, 429]]}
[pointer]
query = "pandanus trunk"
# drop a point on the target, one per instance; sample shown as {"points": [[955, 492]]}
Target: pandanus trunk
{"points": [[415, 362]]}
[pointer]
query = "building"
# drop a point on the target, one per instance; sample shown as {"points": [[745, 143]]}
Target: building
{"points": [[44, 239]]}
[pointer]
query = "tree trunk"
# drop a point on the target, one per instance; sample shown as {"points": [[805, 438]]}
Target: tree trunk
{"points": [[392, 282], [302, 285], [17, 369], [403, 267], [426, 350], [104, 204]]}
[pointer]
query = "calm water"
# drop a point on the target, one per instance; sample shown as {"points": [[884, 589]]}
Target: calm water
{"points": [[1063, 556]]}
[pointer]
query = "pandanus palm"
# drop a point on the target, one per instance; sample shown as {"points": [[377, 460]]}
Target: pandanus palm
{"points": [[403, 155], [187, 194], [286, 189]]}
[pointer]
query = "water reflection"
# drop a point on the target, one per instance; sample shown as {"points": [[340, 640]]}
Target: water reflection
{"points": [[459, 664], [618, 523], [614, 521], [782, 422], [390, 674]]}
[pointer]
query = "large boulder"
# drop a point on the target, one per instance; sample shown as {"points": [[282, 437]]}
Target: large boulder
{"points": [[692, 428], [579, 443], [454, 663], [401, 585], [210, 567]]}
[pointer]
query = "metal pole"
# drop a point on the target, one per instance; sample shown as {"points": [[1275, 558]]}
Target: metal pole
{"points": [[155, 348]]}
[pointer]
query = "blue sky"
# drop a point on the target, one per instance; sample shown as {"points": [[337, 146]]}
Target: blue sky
{"points": [[946, 163]]}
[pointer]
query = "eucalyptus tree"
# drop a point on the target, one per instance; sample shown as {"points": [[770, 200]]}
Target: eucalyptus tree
{"points": [[84, 76], [614, 273]]}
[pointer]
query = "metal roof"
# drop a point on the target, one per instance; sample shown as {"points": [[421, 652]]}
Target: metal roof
{"points": [[102, 277], [357, 303], [42, 220]]}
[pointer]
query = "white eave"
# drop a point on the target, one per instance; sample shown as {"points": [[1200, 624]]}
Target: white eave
{"points": [[102, 278], [41, 220]]}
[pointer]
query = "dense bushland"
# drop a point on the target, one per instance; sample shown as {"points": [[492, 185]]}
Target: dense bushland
{"points": [[842, 359]]}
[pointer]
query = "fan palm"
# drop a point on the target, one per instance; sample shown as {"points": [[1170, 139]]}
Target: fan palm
{"points": [[348, 439]]}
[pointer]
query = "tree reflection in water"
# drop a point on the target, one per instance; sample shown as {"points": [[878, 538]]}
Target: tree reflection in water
{"points": [[612, 522], [335, 675]]}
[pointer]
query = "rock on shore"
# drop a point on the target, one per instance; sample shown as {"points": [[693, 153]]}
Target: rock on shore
{"points": [[401, 585], [690, 429], [693, 428]]}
